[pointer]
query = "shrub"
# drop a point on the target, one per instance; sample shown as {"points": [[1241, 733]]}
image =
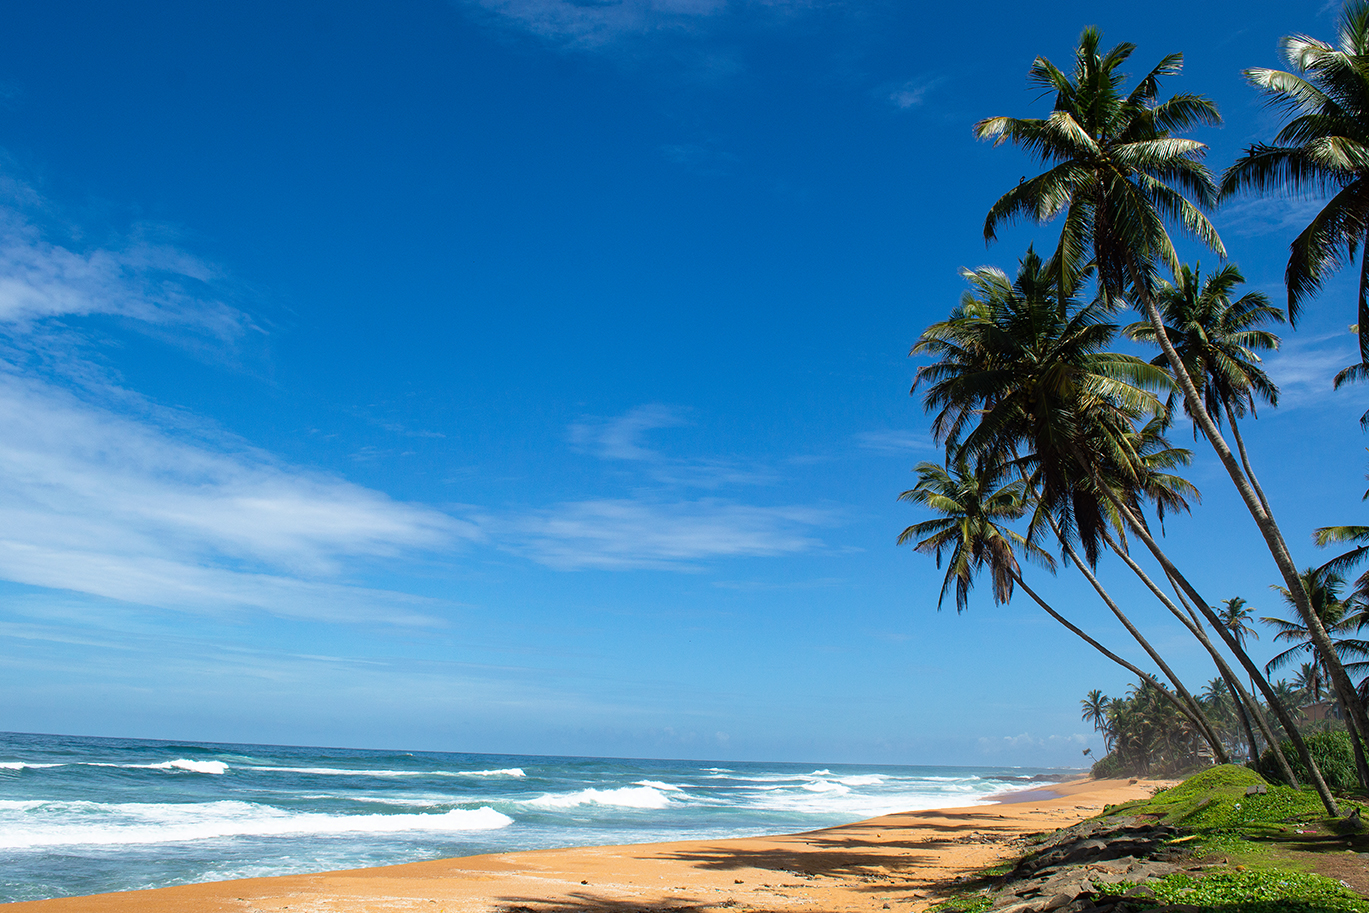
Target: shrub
{"points": [[1332, 752]]}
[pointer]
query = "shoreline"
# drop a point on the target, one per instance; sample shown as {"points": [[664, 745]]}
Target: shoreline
{"points": [[906, 860]]}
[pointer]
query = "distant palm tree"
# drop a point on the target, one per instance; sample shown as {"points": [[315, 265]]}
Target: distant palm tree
{"points": [[1235, 615], [1095, 711], [1322, 149], [1340, 617]]}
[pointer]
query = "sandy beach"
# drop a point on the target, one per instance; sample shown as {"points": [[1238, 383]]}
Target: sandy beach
{"points": [[898, 862]]}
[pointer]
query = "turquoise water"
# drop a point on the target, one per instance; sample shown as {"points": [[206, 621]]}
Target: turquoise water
{"points": [[86, 815]]}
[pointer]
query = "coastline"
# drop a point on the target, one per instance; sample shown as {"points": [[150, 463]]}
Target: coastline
{"points": [[905, 861]]}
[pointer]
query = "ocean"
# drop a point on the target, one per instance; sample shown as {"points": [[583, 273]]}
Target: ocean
{"points": [[88, 815]]}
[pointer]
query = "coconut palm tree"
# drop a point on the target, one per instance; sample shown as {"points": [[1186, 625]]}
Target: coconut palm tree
{"points": [[1094, 709], [972, 505], [1119, 175], [1341, 617], [1218, 340], [1323, 149]]}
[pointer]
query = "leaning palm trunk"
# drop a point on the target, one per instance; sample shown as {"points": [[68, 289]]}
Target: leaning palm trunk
{"points": [[1361, 767], [1271, 698], [1144, 676], [1264, 520], [1204, 725], [1243, 698], [1245, 459]]}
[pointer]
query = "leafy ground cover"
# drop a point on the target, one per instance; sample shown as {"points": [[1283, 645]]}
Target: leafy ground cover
{"points": [[1247, 846]]}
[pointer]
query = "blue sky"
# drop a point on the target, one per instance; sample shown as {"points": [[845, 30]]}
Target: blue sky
{"points": [[531, 376]]}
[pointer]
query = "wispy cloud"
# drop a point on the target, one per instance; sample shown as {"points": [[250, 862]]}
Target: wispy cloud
{"points": [[1016, 744], [148, 282], [590, 23], [623, 438], [700, 158], [104, 493], [895, 441], [1304, 368], [116, 506], [1268, 216], [600, 24], [912, 93], [627, 533]]}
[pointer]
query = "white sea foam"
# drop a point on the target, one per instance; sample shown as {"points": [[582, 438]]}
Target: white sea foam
{"points": [[35, 824], [626, 797], [862, 780], [514, 772], [198, 767], [657, 784], [21, 765]]}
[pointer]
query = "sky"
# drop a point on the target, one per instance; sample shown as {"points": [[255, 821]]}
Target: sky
{"points": [[532, 376]]}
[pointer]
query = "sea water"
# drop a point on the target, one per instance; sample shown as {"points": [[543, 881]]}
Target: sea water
{"points": [[88, 815]]}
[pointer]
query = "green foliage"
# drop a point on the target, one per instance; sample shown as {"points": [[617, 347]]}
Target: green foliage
{"points": [[1215, 800], [1331, 751], [1109, 766], [1262, 891], [964, 903]]}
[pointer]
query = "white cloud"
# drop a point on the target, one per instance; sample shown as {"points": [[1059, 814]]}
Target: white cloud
{"points": [[1268, 216], [913, 93], [625, 534], [595, 22], [153, 283], [623, 438], [103, 503], [1305, 366], [620, 438], [893, 441], [1016, 744]]}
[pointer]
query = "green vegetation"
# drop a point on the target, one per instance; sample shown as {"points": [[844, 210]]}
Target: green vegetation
{"points": [[1267, 891], [1333, 755]]}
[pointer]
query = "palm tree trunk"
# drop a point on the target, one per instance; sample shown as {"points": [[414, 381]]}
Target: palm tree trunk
{"points": [[1144, 676], [1218, 750], [1264, 519], [1247, 706], [1361, 766], [1243, 699], [1270, 697], [1245, 459]]}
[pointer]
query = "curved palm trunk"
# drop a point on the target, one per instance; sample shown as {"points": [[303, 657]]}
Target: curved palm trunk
{"points": [[1243, 698], [1245, 459], [1247, 707], [1264, 520], [1270, 697], [1205, 725], [1145, 676], [1361, 766]]}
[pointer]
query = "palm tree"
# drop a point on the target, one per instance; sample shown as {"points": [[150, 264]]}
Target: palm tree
{"points": [[1094, 709], [1234, 615], [1054, 405], [1218, 340], [1029, 367], [1322, 149], [1339, 616], [972, 506], [1119, 173]]}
